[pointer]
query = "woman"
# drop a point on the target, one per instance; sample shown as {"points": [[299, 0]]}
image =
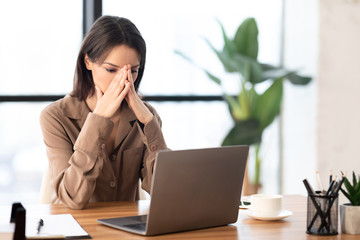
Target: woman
{"points": [[101, 138]]}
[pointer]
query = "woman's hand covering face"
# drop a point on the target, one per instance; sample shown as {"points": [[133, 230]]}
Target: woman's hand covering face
{"points": [[109, 101]]}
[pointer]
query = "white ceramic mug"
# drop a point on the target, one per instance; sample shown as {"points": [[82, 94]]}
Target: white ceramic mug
{"points": [[266, 205]]}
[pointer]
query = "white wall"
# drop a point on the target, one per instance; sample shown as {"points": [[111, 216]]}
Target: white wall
{"points": [[339, 86], [321, 130], [299, 102]]}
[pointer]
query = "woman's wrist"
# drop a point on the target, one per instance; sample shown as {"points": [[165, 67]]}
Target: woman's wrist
{"points": [[148, 118], [144, 115], [100, 113]]}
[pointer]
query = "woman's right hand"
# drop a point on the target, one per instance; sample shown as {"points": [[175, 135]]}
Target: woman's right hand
{"points": [[109, 102]]}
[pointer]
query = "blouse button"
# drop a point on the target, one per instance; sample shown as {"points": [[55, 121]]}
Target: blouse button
{"points": [[113, 157], [112, 184], [103, 146], [153, 147]]}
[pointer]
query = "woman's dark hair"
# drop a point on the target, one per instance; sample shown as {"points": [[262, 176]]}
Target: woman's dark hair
{"points": [[106, 33]]}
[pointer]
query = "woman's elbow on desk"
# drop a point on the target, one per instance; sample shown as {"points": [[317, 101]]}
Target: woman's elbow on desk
{"points": [[78, 205], [78, 200]]}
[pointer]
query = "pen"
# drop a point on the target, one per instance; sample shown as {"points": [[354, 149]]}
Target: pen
{"points": [[337, 188], [40, 224], [330, 189], [308, 187]]}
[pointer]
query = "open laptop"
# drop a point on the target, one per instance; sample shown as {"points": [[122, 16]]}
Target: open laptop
{"points": [[191, 189]]}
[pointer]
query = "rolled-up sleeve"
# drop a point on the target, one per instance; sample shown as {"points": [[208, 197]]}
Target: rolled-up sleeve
{"points": [[75, 166], [154, 141]]}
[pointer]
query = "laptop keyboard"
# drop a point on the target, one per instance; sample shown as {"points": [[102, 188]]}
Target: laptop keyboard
{"points": [[137, 226]]}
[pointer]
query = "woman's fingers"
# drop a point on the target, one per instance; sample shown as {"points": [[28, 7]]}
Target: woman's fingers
{"points": [[130, 77], [124, 92], [129, 74], [99, 93], [109, 101], [118, 81]]}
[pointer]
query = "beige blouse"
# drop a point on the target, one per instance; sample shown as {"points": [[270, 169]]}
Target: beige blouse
{"points": [[81, 170]]}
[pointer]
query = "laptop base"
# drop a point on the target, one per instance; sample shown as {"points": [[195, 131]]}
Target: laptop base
{"points": [[134, 224]]}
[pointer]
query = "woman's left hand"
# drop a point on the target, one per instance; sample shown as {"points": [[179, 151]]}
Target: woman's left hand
{"points": [[142, 113]]}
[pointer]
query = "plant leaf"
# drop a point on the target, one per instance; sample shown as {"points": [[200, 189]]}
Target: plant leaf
{"points": [[266, 66], [273, 72], [297, 79], [243, 100], [244, 133], [235, 108], [229, 47], [236, 62], [212, 77], [352, 191], [184, 56], [267, 105], [250, 69], [253, 70], [357, 186], [348, 187], [356, 199], [354, 179], [246, 38], [226, 60], [348, 196]]}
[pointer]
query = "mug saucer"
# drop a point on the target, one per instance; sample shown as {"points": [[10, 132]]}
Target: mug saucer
{"points": [[283, 214]]}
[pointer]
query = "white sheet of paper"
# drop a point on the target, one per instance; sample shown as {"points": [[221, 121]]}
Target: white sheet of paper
{"points": [[55, 226]]}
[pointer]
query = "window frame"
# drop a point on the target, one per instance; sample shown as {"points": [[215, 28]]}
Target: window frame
{"points": [[92, 9]]}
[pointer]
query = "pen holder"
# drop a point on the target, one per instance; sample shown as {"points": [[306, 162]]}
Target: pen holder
{"points": [[322, 214]]}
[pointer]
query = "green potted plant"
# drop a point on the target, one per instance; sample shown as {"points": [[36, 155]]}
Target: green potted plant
{"points": [[252, 111], [350, 212]]}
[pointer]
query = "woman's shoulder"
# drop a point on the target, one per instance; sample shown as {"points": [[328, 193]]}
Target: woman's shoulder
{"points": [[67, 106], [53, 108]]}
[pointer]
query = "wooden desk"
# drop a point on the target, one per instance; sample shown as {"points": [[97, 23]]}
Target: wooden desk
{"points": [[245, 228]]}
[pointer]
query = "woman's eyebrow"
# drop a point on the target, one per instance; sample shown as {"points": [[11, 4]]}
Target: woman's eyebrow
{"points": [[135, 66], [112, 64], [119, 66]]}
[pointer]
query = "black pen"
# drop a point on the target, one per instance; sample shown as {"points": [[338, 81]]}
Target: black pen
{"points": [[330, 189], [40, 224], [308, 187], [331, 177]]}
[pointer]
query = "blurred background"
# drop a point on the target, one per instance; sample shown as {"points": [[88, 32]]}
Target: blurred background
{"points": [[318, 126]]}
